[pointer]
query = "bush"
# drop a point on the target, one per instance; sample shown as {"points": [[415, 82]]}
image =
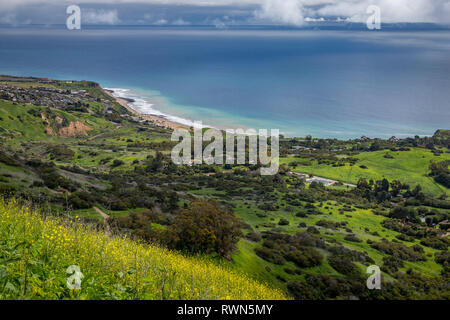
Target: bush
{"points": [[252, 236], [81, 200], [304, 257], [270, 255], [400, 251], [436, 243], [117, 163], [60, 152], [300, 290], [140, 225], [78, 203], [7, 190], [312, 230], [204, 227], [352, 238], [392, 264], [404, 213], [301, 214], [330, 224], [343, 265]]}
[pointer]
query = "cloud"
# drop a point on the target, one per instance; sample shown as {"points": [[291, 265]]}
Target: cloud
{"points": [[435, 11], [219, 24], [288, 12], [8, 19], [180, 22], [308, 19], [100, 16], [161, 22]]}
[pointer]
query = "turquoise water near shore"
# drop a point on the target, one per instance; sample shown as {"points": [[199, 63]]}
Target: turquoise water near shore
{"points": [[338, 84]]}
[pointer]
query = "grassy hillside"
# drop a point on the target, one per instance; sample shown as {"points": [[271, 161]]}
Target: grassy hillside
{"points": [[364, 224], [410, 167], [83, 156], [35, 253]]}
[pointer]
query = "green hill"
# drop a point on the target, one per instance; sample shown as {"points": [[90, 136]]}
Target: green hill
{"points": [[409, 167], [35, 253]]}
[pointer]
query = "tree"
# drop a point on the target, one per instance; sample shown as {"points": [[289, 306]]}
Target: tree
{"points": [[417, 193], [156, 163], [404, 213], [204, 228], [363, 184], [440, 172], [396, 187], [375, 146], [382, 185]]}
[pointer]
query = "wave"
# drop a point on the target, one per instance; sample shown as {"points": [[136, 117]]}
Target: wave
{"points": [[144, 106]]}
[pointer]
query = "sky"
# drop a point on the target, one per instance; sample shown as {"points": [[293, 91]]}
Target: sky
{"points": [[222, 13]]}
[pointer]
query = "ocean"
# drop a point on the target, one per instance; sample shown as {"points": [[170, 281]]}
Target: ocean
{"points": [[328, 84]]}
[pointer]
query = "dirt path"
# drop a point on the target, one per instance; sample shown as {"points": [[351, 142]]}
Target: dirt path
{"points": [[105, 218]]}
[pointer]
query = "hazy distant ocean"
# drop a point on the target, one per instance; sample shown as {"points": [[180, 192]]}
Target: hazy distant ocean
{"points": [[341, 84]]}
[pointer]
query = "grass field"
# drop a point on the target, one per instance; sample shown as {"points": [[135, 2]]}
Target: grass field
{"points": [[410, 167]]}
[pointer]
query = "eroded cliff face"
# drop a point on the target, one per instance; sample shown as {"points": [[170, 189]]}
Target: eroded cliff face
{"points": [[73, 129]]}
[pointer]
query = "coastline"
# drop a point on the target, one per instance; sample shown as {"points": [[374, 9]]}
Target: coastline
{"points": [[157, 120]]}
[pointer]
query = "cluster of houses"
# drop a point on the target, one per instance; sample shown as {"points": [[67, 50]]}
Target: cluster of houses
{"points": [[42, 96]]}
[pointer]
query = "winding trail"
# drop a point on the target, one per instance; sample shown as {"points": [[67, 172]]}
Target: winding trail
{"points": [[105, 218]]}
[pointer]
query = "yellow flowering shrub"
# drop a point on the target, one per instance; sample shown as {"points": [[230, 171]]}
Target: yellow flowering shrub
{"points": [[35, 252]]}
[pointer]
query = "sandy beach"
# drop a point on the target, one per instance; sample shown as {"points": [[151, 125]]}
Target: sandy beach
{"points": [[159, 121]]}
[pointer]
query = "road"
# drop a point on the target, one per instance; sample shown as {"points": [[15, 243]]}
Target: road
{"points": [[324, 181]]}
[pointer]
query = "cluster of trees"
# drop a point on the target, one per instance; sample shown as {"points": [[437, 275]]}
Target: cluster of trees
{"points": [[382, 190], [322, 287], [409, 285], [440, 172], [412, 215], [50, 176], [320, 149], [400, 251], [299, 249], [412, 230]]}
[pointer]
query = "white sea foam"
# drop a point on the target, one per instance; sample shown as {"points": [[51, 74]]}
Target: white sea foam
{"points": [[143, 106]]}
